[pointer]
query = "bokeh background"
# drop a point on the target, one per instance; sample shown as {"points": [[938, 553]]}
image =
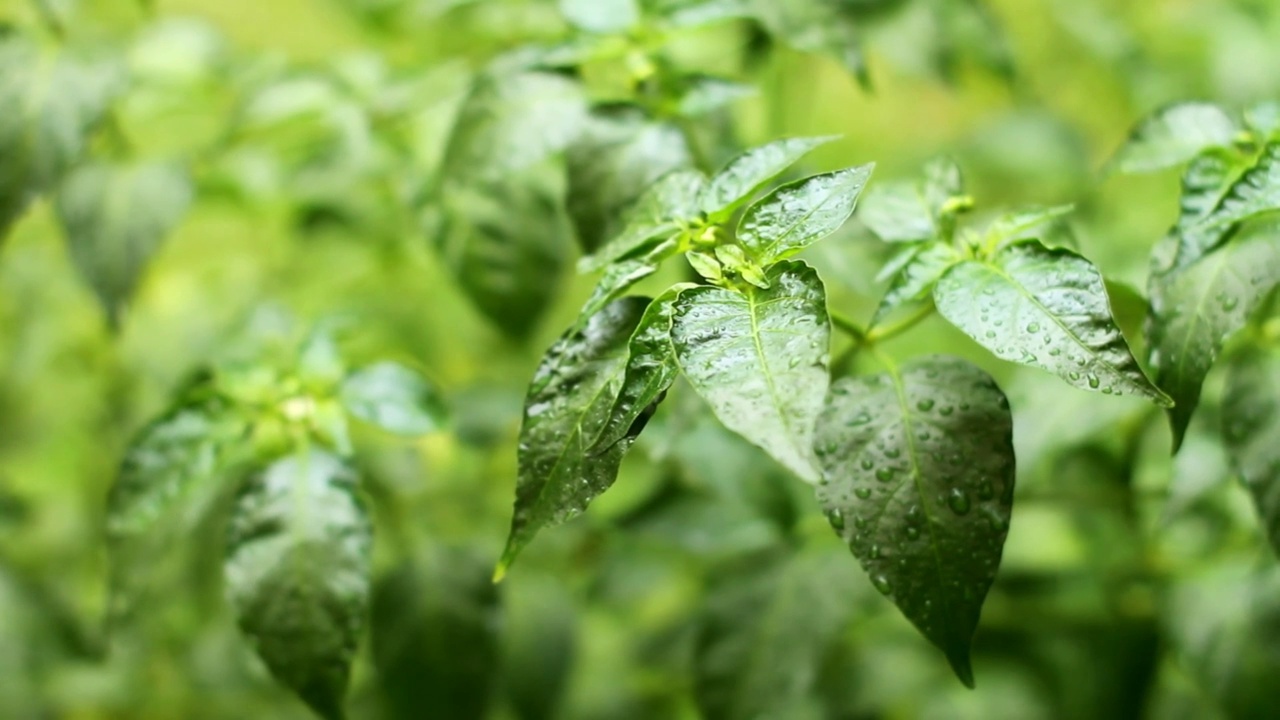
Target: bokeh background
{"points": [[1133, 585]]}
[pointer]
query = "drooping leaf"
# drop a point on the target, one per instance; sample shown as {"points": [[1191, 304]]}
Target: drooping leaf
{"points": [[297, 572], [52, 102], [767, 626], [1046, 308], [601, 16], [395, 398], [1250, 427], [611, 165], [115, 217], [434, 631], [567, 406], [656, 216], [759, 359], [915, 281], [650, 370], [918, 473], [796, 215], [747, 173], [1173, 135], [1195, 310]]}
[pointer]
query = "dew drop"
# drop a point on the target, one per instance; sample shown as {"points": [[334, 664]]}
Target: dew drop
{"points": [[862, 492], [836, 518], [884, 474], [866, 464], [1094, 382], [925, 405], [892, 453], [985, 490], [1033, 327], [946, 410], [958, 501], [913, 533], [882, 584]]}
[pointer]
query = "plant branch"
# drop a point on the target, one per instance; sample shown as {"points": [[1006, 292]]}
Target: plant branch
{"points": [[884, 332], [845, 324]]}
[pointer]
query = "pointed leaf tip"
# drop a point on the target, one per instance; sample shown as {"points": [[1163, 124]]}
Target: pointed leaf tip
{"points": [[961, 664]]}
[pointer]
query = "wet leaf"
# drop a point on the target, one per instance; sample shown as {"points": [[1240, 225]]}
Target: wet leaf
{"points": [[918, 473], [297, 572], [659, 213], [568, 404], [1256, 191], [750, 171], [1046, 308], [1250, 427], [1205, 184], [1025, 224], [915, 281], [616, 280], [1173, 135], [395, 398], [759, 358], [796, 215]]}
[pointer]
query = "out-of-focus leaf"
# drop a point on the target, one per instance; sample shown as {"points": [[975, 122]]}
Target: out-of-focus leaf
{"points": [[434, 633], [539, 645], [115, 217], [568, 404], [1173, 135], [1250, 429], [759, 359], [796, 215], [704, 94], [1195, 310], [915, 281], [395, 398], [817, 26], [750, 171], [616, 280], [897, 212], [1264, 119], [657, 215], [918, 472], [297, 573], [1047, 309], [1024, 224], [601, 16]]}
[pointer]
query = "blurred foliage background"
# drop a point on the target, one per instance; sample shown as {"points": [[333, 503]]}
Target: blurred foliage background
{"points": [[705, 583]]}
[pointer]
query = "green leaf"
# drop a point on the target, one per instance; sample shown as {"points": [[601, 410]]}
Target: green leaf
{"points": [[615, 281], [540, 643], [750, 171], [567, 406], [1046, 308], [601, 16], [618, 157], [1195, 310], [1255, 192], [52, 102], [650, 370], [817, 26], [658, 215], [115, 217], [434, 633], [1264, 119], [395, 398], [507, 242], [1032, 223], [1173, 135], [696, 13], [915, 281], [704, 94], [918, 473], [759, 359], [766, 629], [1205, 183], [1250, 427], [297, 572], [796, 215], [897, 212]]}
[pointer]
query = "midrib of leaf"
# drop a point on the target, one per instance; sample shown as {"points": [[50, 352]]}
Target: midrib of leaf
{"points": [[1196, 317], [768, 373], [777, 240]]}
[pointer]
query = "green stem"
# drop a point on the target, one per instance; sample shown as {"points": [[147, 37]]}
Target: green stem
{"points": [[845, 324], [879, 333], [50, 18]]}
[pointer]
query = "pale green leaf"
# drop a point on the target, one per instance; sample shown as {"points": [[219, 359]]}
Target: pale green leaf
{"points": [[1264, 119], [897, 212], [115, 217], [1173, 135], [750, 171], [568, 404], [1195, 310], [297, 572], [601, 16], [1033, 223], [915, 281], [395, 398], [759, 359], [1046, 308], [1250, 429], [704, 94], [796, 215], [918, 473]]}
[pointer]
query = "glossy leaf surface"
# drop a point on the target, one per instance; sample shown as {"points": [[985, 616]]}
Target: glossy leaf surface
{"points": [[796, 215]]}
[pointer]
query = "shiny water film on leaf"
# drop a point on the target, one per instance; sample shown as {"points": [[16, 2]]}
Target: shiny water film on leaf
{"points": [[1251, 430], [750, 171], [395, 398], [1173, 135], [1195, 310], [1046, 308], [918, 473], [664, 208], [297, 572], [759, 359], [796, 215], [568, 404]]}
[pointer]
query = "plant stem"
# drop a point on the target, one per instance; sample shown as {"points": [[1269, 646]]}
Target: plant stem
{"points": [[49, 17], [877, 334], [845, 324]]}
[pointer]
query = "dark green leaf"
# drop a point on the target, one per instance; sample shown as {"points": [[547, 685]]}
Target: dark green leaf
{"points": [[115, 217], [1195, 310], [651, 368], [750, 171], [567, 406], [918, 473], [1250, 429], [1174, 135], [759, 358], [297, 572], [435, 635], [539, 645], [1047, 309], [395, 398], [915, 281], [656, 216], [796, 215], [619, 156]]}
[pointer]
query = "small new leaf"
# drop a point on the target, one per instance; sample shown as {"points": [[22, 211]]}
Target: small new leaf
{"points": [[297, 573], [1174, 135], [898, 212], [1250, 427], [395, 398], [1046, 308], [567, 407], [796, 215], [918, 473], [759, 359], [750, 171]]}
